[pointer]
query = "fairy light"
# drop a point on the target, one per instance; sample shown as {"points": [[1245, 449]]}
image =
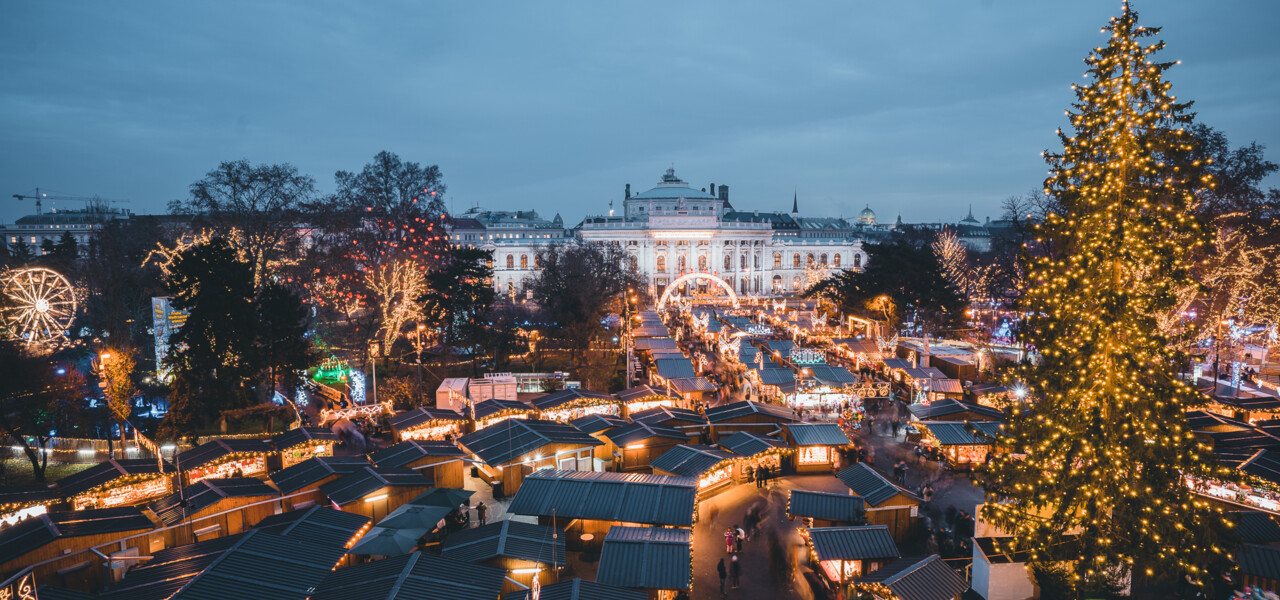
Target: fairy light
{"points": [[1104, 437]]}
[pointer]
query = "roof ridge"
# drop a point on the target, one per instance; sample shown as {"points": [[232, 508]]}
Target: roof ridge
{"points": [[916, 566], [405, 573]]}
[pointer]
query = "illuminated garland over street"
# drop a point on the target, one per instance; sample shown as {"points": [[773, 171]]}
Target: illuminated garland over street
{"points": [[1106, 443]]}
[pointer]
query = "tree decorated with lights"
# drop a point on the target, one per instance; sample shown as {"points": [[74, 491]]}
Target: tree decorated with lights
{"points": [[1106, 448]]}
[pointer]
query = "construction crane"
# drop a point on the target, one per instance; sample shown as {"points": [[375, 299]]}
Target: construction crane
{"points": [[91, 203]]}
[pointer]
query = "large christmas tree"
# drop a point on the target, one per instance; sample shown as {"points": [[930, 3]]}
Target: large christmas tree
{"points": [[1103, 448]]}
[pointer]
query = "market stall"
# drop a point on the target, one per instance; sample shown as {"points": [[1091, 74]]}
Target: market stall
{"points": [[962, 444], [441, 462], [639, 443], [300, 484], [117, 482], [887, 503], [567, 405], [844, 554], [642, 398], [714, 469], [817, 445], [514, 448], [215, 508], [221, 458], [21, 502], [495, 410], [424, 423], [297, 445], [756, 417]]}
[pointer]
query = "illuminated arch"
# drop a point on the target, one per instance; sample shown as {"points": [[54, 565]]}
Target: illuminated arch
{"points": [[724, 285]]}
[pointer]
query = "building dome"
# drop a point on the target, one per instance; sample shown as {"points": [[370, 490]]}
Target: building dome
{"points": [[672, 187], [867, 216]]}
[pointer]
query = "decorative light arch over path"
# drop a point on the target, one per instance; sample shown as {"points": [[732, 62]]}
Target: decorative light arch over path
{"points": [[666, 294]]}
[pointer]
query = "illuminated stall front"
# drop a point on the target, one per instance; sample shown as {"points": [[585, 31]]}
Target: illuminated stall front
{"points": [[297, 445], [424, 423], [511, 450], [643, 398], [817, 445], [567, 405], [713, 468], [222, 458], [21, 502], [963, 444], [117, 482], [843, 554], [496, 410]]}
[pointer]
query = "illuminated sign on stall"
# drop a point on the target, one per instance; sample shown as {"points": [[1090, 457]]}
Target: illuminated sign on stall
{"points": [[436, 432], [569, 414], [715, 477], [244, 467], [125, 495], [297, 454], [815, 455]]}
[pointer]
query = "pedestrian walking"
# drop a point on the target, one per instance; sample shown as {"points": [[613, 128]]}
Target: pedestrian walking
{"points": [[735, 570], [729, 534], [760, 475], [723, 574], [739, 535], [919, 455], [481, 511]]}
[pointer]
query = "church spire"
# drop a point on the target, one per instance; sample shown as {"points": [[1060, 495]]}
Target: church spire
{"points": [[795, 204]]}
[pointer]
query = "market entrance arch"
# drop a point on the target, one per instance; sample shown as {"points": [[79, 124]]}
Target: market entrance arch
{"points": [[687, 277]]}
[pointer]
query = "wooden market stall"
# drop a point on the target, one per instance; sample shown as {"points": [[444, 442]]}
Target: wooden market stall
{"points": [[117, 482], [953, 410], [962, 444], [441, 462], [215, 508], [300, 484], [844, 554], [653, 559], [598, 426], [689, 421], [586, 505], [569, 404], [755, 417], [21, 502], [643, 398], [927, 578], [512, 449], [375, 491], [222, 458], [817, 445], [714, 469], [640, 442], [692, 390], [523, 550], [44, 538], [496, 410], [424, 423], [821, 509], [442, 577], [887, 503], [297, 445], [755, 450]]}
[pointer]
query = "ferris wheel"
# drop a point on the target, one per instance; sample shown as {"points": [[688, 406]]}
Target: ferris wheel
{"points": [[40, 305]]}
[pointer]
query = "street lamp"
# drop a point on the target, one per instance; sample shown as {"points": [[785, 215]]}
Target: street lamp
{"points": [[373, 349], [417, 343]]}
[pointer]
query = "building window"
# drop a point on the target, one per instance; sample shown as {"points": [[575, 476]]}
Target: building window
{"points": [[835, 259], [777, 283], [857, 261], [808, 260], [511, 262], [524, 261], [537, 261], [702, 262], [795, 284], [728, 262], [757, 261], [635, 264], [822, 260], [743, 262], [681, 263], [795, 260], [662, 264], [777, 260]]}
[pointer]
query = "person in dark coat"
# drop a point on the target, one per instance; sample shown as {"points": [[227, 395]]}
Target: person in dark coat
{"points": [[735, 570], [723, 574], [481, 510]]}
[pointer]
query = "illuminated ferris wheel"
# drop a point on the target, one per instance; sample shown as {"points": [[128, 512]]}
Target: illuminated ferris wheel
{"points": [[39, 306]]}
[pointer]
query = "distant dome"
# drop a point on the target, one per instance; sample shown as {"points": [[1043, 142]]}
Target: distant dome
{"points": [[867, 216]]}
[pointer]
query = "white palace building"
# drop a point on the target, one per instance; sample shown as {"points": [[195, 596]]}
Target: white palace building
{"points": [[674, 229]]}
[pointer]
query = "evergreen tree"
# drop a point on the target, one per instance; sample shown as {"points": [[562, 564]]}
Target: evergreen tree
{"points": [[285, 350], [1105, 441]]}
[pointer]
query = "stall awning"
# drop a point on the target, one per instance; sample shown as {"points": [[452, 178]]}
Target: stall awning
{"points": [[952, 433], [817, 434], [621, 497], [690, 461], [868, 542], [916, 578], [645, 558], [821, 505]]}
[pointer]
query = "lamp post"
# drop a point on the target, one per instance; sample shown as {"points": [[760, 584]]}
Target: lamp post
{"points": [[373, 349], [417, 344]]}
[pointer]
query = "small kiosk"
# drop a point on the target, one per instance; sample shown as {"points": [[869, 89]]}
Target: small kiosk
{"points": [[117, 482], [641, 442], [441, 462], [375, 491], [514, 448], [649, 558], [21, 502], [713, 468], [496, 410], [223, 458], [567, 405], [300, 484], [962, 444], [844, 554], [215, 508], [817, 445], [523, 550], [754, 417], [297, 445], [643, 398], [821, 509], [427, 424], [887, 504]]}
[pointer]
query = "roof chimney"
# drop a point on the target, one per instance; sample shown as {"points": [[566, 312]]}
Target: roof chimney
{"points": [[713, 189], [628, 193], [724, 193]]}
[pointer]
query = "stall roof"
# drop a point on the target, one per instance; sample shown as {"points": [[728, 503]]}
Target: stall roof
{"points": [[917, 578], [1256, 527], [623, 497], [988, 389], [778, 376], [945, 386], [821, 505], [1260, 463], [39, 530], [664, 415], [635, 432], [295, 477], [745, 443], [727, 412], [866, 542], [105, 472], [215, 450], [655, 343], [48, 592], [508, 539], [675, 368], [925, 373], [1260, 561], [953, 433], [421, 416], [315, 525], [747, 354], [578, 589], [358, 484], [897, 363], [202, 494], [1201, 419], [689, 460], [493, 406], [559, 398], [406, 452], [782, 347], [637, 393], [597, 423], [646, 558], [817, 434], [832, 376], [510, 440], [692, 384], [263, 565], [870, 484], [415, 576], [940, 409], [28, 493], [304, 435]]}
